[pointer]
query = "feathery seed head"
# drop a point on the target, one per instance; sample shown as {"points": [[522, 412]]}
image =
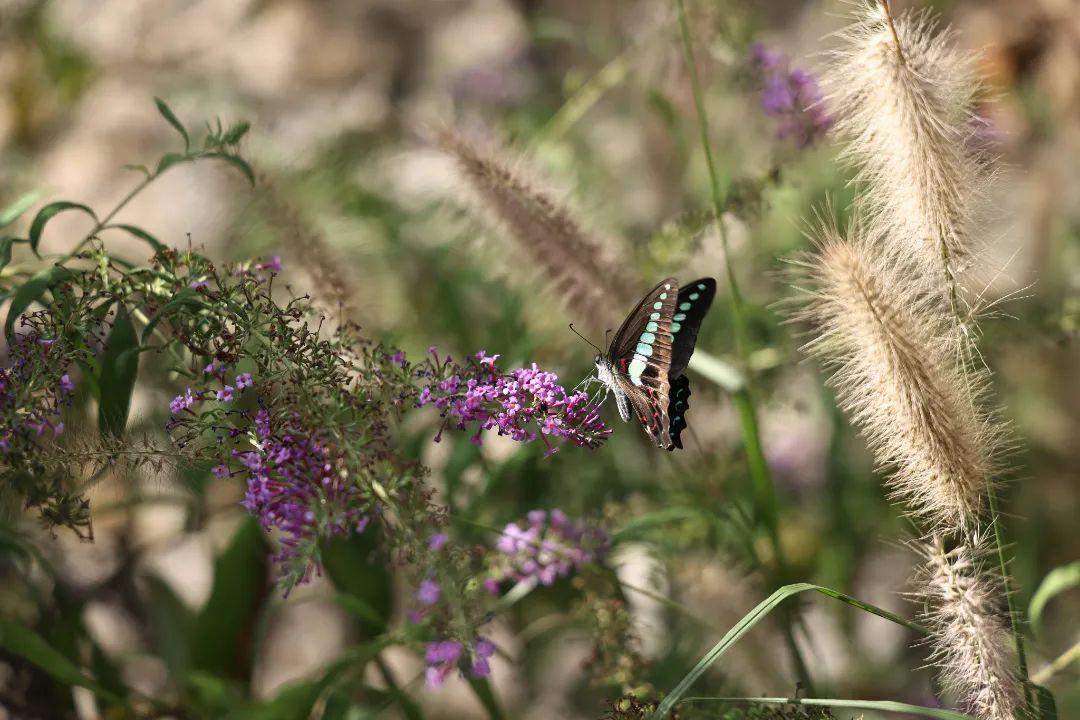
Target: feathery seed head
{"points": [[905, 114], [969, 628], [575, 263], [898, 379]]}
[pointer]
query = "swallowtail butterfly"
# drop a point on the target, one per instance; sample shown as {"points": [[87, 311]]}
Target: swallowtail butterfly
{"points": [[644, 364]]}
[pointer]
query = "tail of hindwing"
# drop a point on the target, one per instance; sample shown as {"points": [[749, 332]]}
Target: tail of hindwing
{"points": [[677, 407]]}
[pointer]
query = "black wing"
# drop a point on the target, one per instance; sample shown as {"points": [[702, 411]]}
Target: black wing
{"points": [[640, 355], [693, 302]]}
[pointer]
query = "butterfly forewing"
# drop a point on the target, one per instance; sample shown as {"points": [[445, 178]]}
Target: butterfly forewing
{"points": [[690, 308], [640, 355]]}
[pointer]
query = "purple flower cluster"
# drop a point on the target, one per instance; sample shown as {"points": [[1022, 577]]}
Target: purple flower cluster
{"points": [[30, 394], [525, 404], [444, 656], [297, 486], [792, 95], [548, 547]]}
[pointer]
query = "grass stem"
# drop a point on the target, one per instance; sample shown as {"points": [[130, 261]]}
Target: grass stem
{"points": [[765, 503]]}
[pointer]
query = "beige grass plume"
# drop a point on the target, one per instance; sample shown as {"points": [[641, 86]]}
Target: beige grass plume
{"points": [[970, 639], [586, 280], [896, 376], [904, 99]]}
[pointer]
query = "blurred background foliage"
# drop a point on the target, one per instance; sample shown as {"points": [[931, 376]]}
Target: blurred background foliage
{"points": [[593, 100]]}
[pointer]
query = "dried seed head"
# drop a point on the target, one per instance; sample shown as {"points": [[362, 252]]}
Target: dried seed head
{"points": [[573, 262], [965, 611], [898, 379], [904, 99]]}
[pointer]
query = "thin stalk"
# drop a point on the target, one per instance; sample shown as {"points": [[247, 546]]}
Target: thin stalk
{"points": [[482, 688], [1060, 663], [1014, 612], [765, 502], [408, 708]]}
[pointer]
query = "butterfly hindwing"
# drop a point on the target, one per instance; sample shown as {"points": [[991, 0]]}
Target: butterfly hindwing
{"points": [[680, 403], [640, 355]]}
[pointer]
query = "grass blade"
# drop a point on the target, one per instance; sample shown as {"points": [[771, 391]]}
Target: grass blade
{"points": [[755, 616], [889, 706]]}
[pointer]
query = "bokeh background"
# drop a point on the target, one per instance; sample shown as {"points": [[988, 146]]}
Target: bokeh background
{"points": [[592, 100]]}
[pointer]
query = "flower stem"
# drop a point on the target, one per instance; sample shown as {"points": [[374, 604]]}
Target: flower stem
{"points": [[765, 502]]}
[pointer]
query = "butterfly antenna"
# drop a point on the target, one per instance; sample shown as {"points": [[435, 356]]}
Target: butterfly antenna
{"points": [[585, 338]]}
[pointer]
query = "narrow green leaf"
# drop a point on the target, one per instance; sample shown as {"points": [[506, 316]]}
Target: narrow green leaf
{"points": [[119, 366], [482, 689], [1056, 582], [170, 117], [31, 291], [237, 162], [33, 648], [14, 211], [187, 297], [890, 706], [636, 526], [755, 616], [353, 566], [6, 242], [169, 622], [37, 227], [717, 371], [138, 232], [223, 633], [168, 160], [1045, 706]]}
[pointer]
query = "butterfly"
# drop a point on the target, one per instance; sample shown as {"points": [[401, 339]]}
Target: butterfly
{"points": [[643, 367]]}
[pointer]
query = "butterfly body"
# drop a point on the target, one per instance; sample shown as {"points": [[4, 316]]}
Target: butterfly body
{"points": [[644, 365]]}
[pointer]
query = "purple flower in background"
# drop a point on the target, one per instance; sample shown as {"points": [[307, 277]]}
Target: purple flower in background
{"points": [[221, 471], [482, 650], [429, 592], [273, 264], [243, 380], [792, 96], [225, 394], [442, 657], [182, 402], [550, 546], [437, 541], [525, 404], [199, 284], [66, 384], [398, 358]]}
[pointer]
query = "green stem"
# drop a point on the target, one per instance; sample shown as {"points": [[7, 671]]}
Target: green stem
{"points": [[408, 708], [1014, 613], [487, 698], [765, 502]]}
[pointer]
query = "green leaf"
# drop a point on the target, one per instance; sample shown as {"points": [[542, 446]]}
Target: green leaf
{"points": [[755, 616], [6, 242], [170, 117], [237, 162], [33, 648], [187, 297], [47, 213], [168, 160], [1045, 706], [119, 366], [138, 232], [353, 567], [890, 706], [223, 633], [14, 211], [716, 370], [31, 291], [169, 622], [1056, 582], [482, 689]]}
